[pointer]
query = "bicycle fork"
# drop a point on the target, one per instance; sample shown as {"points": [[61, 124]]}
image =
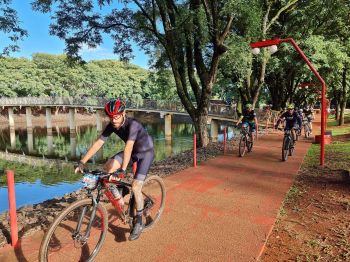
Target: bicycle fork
{"points": [[76, 233]]}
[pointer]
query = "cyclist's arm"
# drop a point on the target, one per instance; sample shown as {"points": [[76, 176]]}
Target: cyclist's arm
{"points": [[129, 145], [92, 150], [256, 125], [299, 120], [239, 120]]}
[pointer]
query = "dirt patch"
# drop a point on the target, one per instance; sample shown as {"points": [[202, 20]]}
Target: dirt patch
{"points": [[314, 223], [341, 138]]}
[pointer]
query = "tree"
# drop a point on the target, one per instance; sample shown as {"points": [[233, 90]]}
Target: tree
{"points": [[190, 33], [257, 20], [314, 16], [9, 26]]}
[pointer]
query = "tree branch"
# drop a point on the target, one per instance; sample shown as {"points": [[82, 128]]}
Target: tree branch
{"points": [[284, 8]]}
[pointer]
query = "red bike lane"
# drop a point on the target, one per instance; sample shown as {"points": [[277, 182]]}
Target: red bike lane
{"points": [[223, 210]]}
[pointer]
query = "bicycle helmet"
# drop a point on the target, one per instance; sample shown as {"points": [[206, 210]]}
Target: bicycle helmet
{"points": [[290, 106], [248, 106], [114, 107]]}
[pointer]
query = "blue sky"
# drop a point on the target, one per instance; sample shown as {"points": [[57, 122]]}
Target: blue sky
{"points": [[40, 41]]}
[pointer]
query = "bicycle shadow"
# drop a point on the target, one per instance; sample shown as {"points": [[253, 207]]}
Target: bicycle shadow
{"points": [[119, 230]]}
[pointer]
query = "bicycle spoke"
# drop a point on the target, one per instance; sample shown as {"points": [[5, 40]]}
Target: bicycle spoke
{"points": [[153, 192], [76, 235]]}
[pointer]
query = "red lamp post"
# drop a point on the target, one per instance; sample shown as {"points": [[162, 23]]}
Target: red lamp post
{"points": [[274, 42]]}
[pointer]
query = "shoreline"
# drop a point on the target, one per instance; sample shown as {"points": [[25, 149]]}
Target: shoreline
{"points": [[32, 218]]}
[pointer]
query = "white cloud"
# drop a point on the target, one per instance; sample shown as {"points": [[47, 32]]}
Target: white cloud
{"points": [[95, 53]]}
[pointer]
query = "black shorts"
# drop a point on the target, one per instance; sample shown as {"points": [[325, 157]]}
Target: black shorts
{"points": [[144, 161]]}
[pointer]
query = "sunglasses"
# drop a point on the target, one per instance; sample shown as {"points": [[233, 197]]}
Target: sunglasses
{"points": [[115, 117]]}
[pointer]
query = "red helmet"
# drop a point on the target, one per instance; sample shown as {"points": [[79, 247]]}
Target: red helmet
{"points": [[114, 107]]}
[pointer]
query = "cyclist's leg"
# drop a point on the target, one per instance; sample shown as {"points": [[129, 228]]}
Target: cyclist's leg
{"points": [[143, 164], [114, 163], [310, 124], [252, 129]]}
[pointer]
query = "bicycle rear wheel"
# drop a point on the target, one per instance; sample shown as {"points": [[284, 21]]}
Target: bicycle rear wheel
{"points": [[242, 146], [285, 148], [66, 238], [153, 191]]}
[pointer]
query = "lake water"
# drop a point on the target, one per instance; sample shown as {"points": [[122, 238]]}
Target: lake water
{"points": [[37, 184]]}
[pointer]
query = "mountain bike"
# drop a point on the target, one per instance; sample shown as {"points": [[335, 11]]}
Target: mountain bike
{"points": [[246, 140], [307, 128], [78, 232], [288, 144]]}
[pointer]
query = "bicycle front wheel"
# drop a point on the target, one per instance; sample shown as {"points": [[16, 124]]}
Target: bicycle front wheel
{"points": [[250, 143], [153, 191], [285, 148], [242, 146], [67, 238]]}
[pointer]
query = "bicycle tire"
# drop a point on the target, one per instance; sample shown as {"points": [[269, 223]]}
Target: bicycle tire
{"points": [[250, 143], [50, 238], [154, 201], [285, 148], [242, 146]]}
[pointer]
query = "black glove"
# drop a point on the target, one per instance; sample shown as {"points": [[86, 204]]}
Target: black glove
{"points": [[117, 175], [79, 167]]}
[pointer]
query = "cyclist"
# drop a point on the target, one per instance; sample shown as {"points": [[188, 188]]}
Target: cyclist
{"points": [[293, 120], [138, 148], [249, 117], [309, 114]]}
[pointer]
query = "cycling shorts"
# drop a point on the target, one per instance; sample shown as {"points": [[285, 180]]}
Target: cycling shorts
{"points": [[144, 161], [252, 126]]}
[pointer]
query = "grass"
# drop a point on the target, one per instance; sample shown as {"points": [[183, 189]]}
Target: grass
{"points": [[332, 124]]}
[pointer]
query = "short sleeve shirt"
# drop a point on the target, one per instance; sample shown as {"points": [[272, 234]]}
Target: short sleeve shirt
{"points": [[131, 130], [248, 116], [291, 119]]}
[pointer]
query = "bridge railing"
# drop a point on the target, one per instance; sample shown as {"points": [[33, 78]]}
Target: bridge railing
{"points": [[98, 102]]}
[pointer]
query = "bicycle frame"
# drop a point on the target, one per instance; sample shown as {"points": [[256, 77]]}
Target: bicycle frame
{"points": [[102, 184]]}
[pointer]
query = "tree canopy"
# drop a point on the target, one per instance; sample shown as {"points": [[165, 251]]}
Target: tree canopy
{"points": [[10, 28], [51, 75]]}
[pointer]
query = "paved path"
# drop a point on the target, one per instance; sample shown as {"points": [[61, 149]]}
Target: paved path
{"points": [[223, 210]]}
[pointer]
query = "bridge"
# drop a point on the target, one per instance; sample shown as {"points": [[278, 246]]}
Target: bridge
{"points": [[166, 109]]}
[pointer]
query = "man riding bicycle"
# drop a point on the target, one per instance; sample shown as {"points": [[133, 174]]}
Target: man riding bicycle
{"points": [[293, 120], [138, 148], [309, 114], [249, 117]]}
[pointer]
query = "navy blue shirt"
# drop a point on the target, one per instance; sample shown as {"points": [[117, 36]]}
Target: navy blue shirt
{"points": [[131, 130], [248, 116], [291, 119]]}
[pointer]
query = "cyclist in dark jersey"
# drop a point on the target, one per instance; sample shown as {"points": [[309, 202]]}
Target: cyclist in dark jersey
{"points": [[138, 148], [293, 120], [309, 114], [249, 117]]}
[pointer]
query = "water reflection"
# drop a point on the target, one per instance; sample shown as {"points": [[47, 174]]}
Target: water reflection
{"points": [[37, 184], [71, 144]]}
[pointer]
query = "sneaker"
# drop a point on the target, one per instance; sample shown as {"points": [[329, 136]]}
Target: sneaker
{"points": [[136, 230]]}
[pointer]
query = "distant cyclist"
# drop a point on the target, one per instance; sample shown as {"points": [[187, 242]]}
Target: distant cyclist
{"points": [[309, 115], [249, 117], [138, 148], [293, 120]]}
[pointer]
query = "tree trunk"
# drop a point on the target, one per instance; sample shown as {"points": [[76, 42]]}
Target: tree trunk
{"points": [[343, 99], [337, 111], [200, 125]]}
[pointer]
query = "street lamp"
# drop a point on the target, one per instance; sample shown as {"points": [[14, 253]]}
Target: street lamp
{"points": [[276, 42]]}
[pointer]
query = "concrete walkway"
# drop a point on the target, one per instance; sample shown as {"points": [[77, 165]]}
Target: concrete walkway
{"points": [[223, 210]]}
